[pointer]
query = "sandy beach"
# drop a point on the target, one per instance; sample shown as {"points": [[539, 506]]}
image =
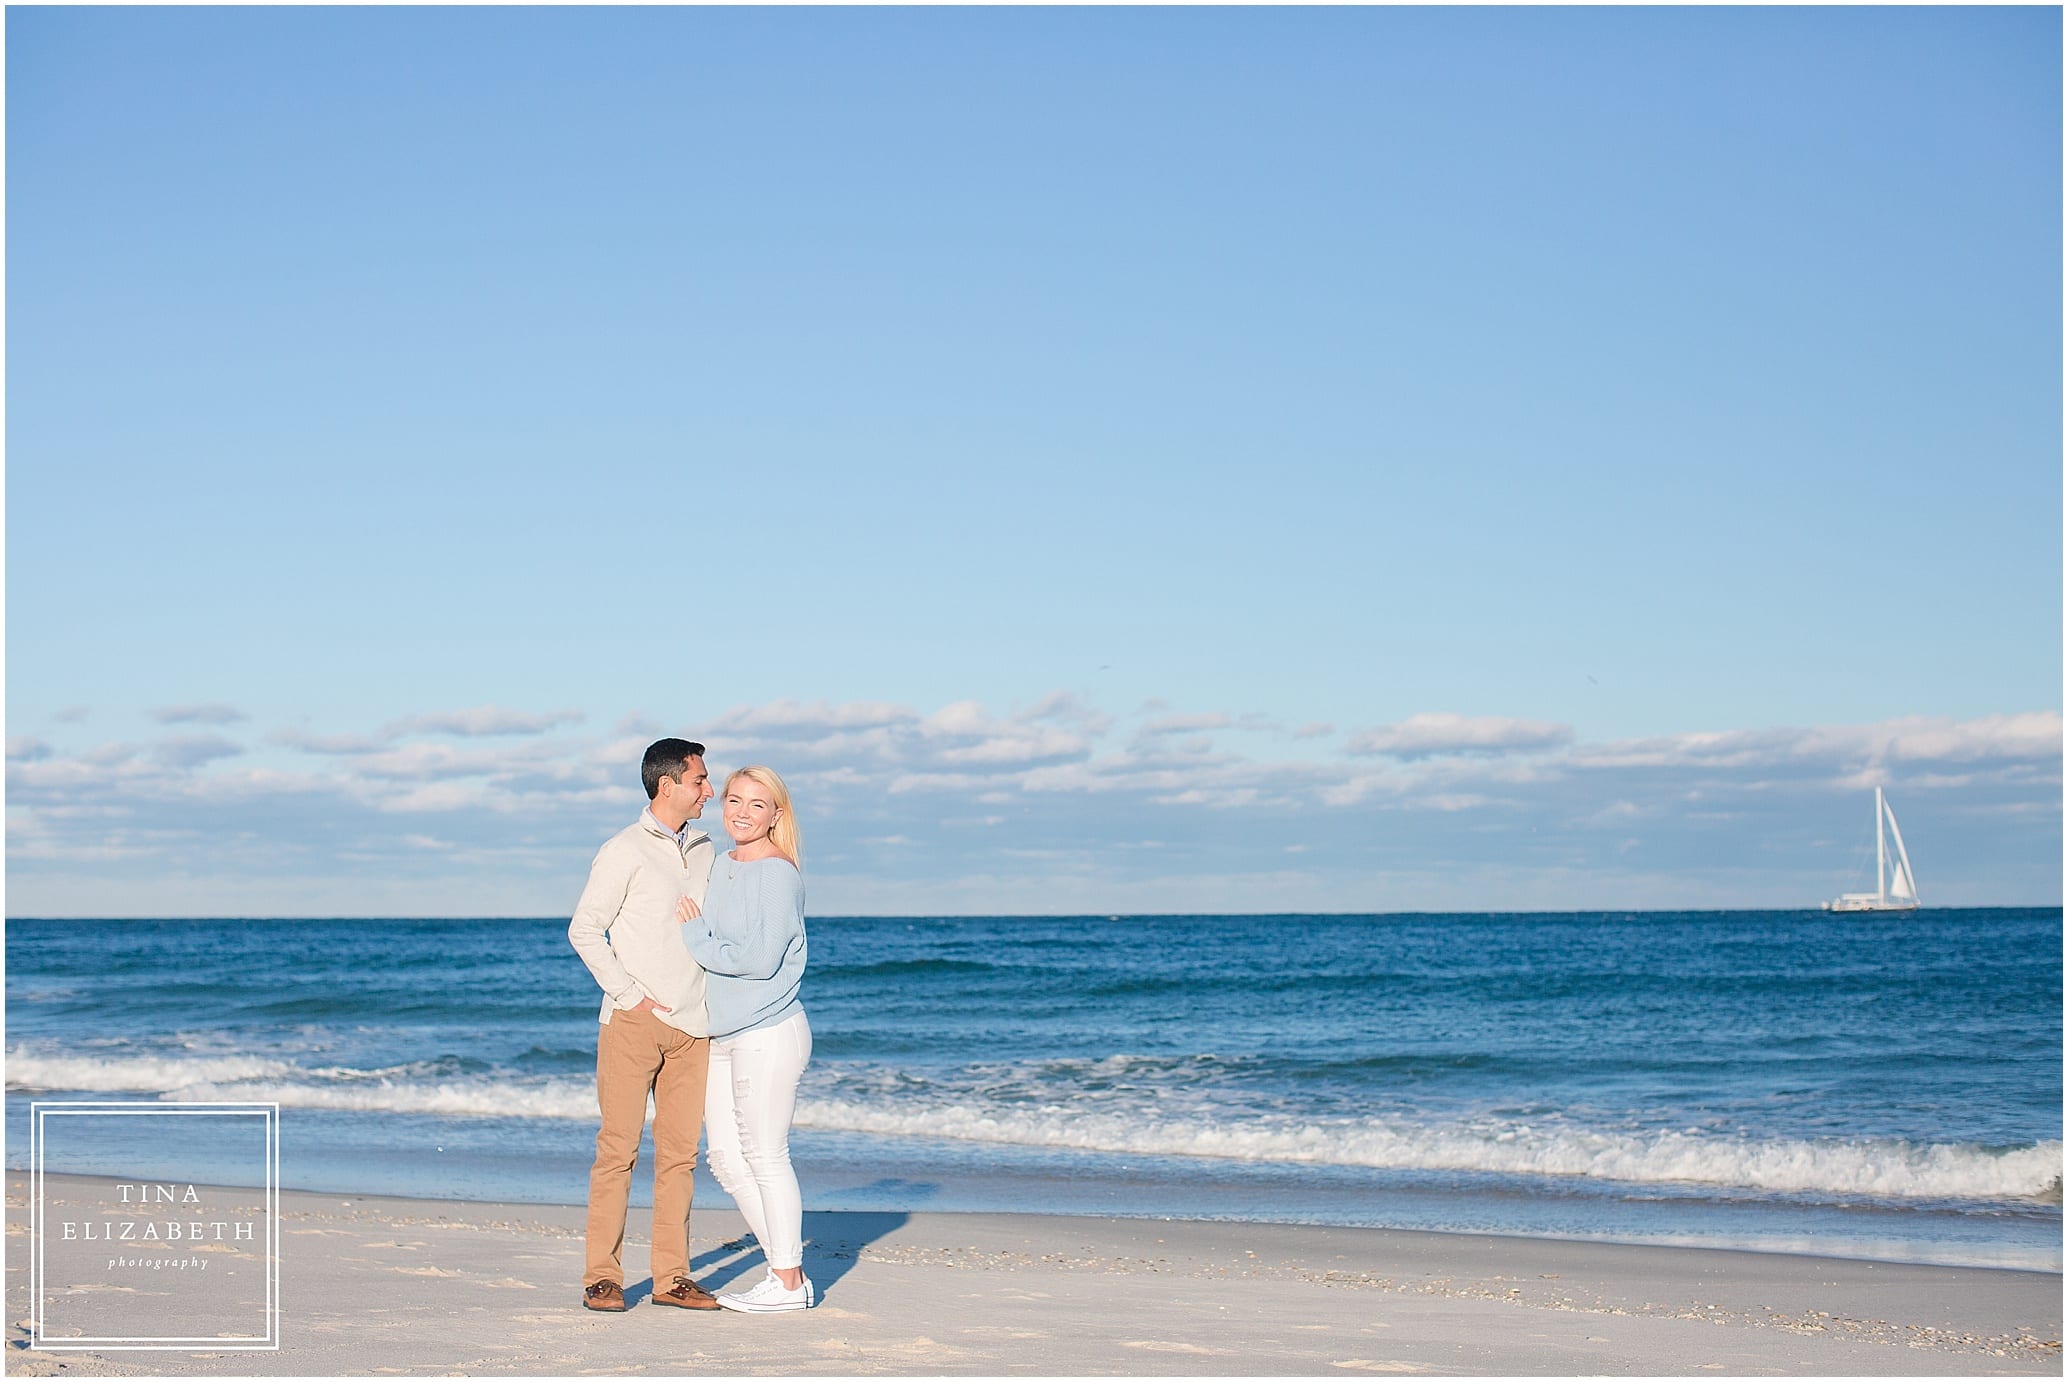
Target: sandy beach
{"points": [[392, 1286]]}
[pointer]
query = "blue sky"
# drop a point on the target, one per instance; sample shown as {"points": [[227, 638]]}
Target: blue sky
{"points": [[1140, 460]]}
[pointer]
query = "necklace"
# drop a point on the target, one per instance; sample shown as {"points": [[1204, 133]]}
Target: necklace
{"points": [[733, 866]]}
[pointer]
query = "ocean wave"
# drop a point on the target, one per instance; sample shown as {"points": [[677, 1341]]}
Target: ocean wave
{"points": [[902, 1107], [134, 1074], [1889, 1168], [443, 1086], [560, 1099]]}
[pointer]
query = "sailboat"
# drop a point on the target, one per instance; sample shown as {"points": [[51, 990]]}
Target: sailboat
{"points": [[1897, 894]]}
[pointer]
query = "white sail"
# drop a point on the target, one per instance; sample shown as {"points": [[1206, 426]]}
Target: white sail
{"points": [[1905, 886]]}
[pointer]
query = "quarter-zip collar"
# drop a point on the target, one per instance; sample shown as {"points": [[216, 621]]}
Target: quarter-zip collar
{"points": [[684, 839]]}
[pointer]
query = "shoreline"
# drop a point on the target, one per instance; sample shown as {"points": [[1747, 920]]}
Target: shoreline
{"points": [[1002, 1193], [710, 1194], [391, 1285]]}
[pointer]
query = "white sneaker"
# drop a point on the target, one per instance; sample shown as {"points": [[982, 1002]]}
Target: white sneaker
{"points": [[769, 1296]]}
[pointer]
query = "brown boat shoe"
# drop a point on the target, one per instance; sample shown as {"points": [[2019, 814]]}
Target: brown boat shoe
{"points": [[603, 1295], [687, 1294]]}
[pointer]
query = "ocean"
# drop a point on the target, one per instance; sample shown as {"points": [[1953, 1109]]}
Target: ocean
{"points": [[1868, 1086]]}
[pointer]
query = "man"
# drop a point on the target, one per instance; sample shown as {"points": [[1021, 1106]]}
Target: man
{"points": [[653, 1037]]}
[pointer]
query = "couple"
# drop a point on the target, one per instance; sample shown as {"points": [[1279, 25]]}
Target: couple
{"points": [[700, 956]]}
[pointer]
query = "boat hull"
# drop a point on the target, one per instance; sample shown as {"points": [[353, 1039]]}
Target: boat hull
{"points": [[1869, 904]]}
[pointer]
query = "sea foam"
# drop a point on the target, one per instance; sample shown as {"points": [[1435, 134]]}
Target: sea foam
{"points": [[1870, 1167], [1882, 1168]]}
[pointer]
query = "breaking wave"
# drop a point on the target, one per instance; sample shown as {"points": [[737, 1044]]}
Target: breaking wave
{"points": [[1873, 1167], [394, 1089], [1884, 1168]]}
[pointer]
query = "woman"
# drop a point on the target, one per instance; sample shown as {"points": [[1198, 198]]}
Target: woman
{"points": [[750, 941]]}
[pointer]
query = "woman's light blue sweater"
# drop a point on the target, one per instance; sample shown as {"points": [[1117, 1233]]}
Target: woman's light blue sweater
{"points": [[750, 941]]}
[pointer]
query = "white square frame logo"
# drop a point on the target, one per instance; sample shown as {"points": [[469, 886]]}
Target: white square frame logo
{"points": [[39, 1112]]}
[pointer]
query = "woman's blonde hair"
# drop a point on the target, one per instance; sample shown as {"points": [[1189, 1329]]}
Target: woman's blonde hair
{"points": [[783, 834]]}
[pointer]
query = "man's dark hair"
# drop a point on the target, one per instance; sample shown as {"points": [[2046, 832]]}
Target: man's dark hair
{"points": [[666, 758]]}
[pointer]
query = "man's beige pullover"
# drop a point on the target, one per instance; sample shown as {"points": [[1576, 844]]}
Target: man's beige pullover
{"points": [[624, 927]]}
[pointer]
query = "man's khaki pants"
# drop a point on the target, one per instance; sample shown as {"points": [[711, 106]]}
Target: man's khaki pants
{"points": [[636, 1052]]}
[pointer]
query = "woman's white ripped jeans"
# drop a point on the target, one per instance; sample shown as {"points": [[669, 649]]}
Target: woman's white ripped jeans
{"points": [[748, 1102]]}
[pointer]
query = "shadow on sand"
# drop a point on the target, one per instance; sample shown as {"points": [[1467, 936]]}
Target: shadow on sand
{"points": [[832, 1243]]}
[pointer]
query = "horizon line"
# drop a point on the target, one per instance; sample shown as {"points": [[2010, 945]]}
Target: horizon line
{"points": [[1109, 916]]}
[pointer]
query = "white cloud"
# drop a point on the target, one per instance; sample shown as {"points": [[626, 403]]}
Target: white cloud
{"points": [[448, 797], [422, 762], [1023, 745], [816, 717], [1183, 724], [1452, 801], [881, 745], [964, 718], [934, 782], [1864, 749], [192, 750], [324, 743], [111, 755], [1752, 815], [1066, 707], [22, 749], [209, 713], [1991, 737], [1439, 732], [1223, 800], [481, 720], [1616, 815], [965, 734]]}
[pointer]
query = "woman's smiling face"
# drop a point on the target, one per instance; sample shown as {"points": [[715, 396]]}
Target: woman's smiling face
{"points": [[750, 811]]}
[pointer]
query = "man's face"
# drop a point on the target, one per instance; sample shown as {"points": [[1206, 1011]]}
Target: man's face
{"points": [[690, 794]]}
